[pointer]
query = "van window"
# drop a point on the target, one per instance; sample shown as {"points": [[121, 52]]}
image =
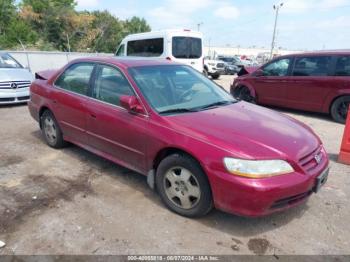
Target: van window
{"points": [[146, 47], [277, 68], [342, 67], [312, 66], [120, 51], [187, 47]]}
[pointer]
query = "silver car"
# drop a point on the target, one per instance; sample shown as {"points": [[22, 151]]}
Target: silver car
{"points": [[14, 81]]}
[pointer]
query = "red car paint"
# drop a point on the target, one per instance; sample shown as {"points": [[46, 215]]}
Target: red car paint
{"points": [[310, 93], [240, 130]]}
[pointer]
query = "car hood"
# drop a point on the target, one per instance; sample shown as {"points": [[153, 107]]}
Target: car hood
{"points": [[15, 74], [249, 131]]}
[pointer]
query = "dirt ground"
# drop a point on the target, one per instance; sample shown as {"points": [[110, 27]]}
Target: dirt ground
{"points": [[72, 202]]}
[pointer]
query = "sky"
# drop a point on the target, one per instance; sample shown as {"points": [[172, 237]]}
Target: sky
{"points": [[302, 24]]}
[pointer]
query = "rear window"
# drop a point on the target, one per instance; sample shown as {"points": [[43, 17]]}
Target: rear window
{"points": [[312, 66], [146, 47], [187, 47], [342, 67]]}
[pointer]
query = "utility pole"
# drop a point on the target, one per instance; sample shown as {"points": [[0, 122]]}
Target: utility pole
{"points": [[277, 8], [199, 26]]}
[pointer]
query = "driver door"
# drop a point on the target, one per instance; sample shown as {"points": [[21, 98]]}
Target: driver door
{"points": [[272, 86]]}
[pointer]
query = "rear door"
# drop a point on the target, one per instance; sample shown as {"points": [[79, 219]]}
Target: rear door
{"points": [[111, 129], [188, 50], [312, 82], [272, 86], [69, 100]]}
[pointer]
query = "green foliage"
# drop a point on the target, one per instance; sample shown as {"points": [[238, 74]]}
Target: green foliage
{"points": [[51, 24]]}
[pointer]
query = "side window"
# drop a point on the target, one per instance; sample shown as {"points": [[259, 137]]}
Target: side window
{"points": [[110, 85], [76, 78], [146, 48], [120, 51], [342, 67], [312, 66], [277, 68]]}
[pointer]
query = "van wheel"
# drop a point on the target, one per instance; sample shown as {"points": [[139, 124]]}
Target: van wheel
{"points": [[215, 76], [52, 132], [243, 93], [183, 186], [339, 109], [205, 72]]}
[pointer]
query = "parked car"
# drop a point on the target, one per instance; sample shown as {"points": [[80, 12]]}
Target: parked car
{"points": [[184, 46], [197, 146], [213, 68], [231, 69], [232, 60], [14, 80], [318, 81]]}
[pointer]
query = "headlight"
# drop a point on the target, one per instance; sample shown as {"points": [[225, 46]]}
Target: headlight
{"points": [[257, 168], [211, 64]]}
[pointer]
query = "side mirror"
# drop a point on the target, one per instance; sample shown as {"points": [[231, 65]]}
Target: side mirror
{"points": [[259, 73], [132, 104]]}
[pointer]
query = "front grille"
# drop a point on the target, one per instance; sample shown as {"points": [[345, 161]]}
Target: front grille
{"points": [[14, 84], [23, 98], [290, 200], [220, 65], [308, 162], [7, 99]]}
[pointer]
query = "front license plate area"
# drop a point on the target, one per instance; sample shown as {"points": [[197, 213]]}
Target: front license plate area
{"points": [[321, 180]]}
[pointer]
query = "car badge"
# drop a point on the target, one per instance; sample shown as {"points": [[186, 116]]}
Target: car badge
{"points": [[14, 86], [318, 158]]}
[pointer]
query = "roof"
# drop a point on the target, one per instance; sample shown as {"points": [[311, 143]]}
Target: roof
{"points": [[321, 52], [127, 62]]}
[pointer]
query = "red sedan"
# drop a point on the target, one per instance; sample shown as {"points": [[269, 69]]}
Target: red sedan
{"points": [[197, 146], [317, 81]]}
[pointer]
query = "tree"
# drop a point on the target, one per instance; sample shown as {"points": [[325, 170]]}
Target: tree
{"points": [[7, 13], [136, 25]]}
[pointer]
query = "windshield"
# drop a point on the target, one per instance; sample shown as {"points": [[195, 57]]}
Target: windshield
{"points": [[187, 47], [7, 61], [176, 88]]}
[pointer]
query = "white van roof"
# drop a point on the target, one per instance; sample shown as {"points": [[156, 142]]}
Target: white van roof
{"points": [[151, 34]]}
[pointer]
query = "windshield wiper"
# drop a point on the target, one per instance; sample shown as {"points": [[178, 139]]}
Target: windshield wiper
{"points": [[178, 110], [216, 104]]}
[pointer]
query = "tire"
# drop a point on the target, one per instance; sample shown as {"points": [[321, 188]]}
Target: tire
{"points": [[339, 109], [205, 72], [51, 130], [183, 186], [243, 93], [215, 77]]}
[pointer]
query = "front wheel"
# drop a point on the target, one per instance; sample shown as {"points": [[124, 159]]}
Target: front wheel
{"points": [[243, 93], [339, 109], [217, 76], [183, 186]]}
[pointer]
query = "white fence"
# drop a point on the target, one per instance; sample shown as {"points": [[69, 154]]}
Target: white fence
{"points": [[38, 60]]}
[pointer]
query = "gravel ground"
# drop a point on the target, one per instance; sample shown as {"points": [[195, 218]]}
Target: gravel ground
{"points": [[72, 202]]}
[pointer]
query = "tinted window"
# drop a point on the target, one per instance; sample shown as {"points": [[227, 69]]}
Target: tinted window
{"points": [[76, 78], [187, 47], [110, 85], [312, 66], [342, 67], [277, 68], [120, 51], [146, 48]]}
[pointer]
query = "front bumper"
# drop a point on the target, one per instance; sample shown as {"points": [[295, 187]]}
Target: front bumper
{"points": [[258, 197], [11, 96]]}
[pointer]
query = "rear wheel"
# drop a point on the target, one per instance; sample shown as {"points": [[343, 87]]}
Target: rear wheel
{"points": [[52, 132], [339, 109], [243, 93], [183, 186]]}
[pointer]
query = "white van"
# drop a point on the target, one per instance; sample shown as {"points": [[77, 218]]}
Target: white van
{"points": [[183, 46]]}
